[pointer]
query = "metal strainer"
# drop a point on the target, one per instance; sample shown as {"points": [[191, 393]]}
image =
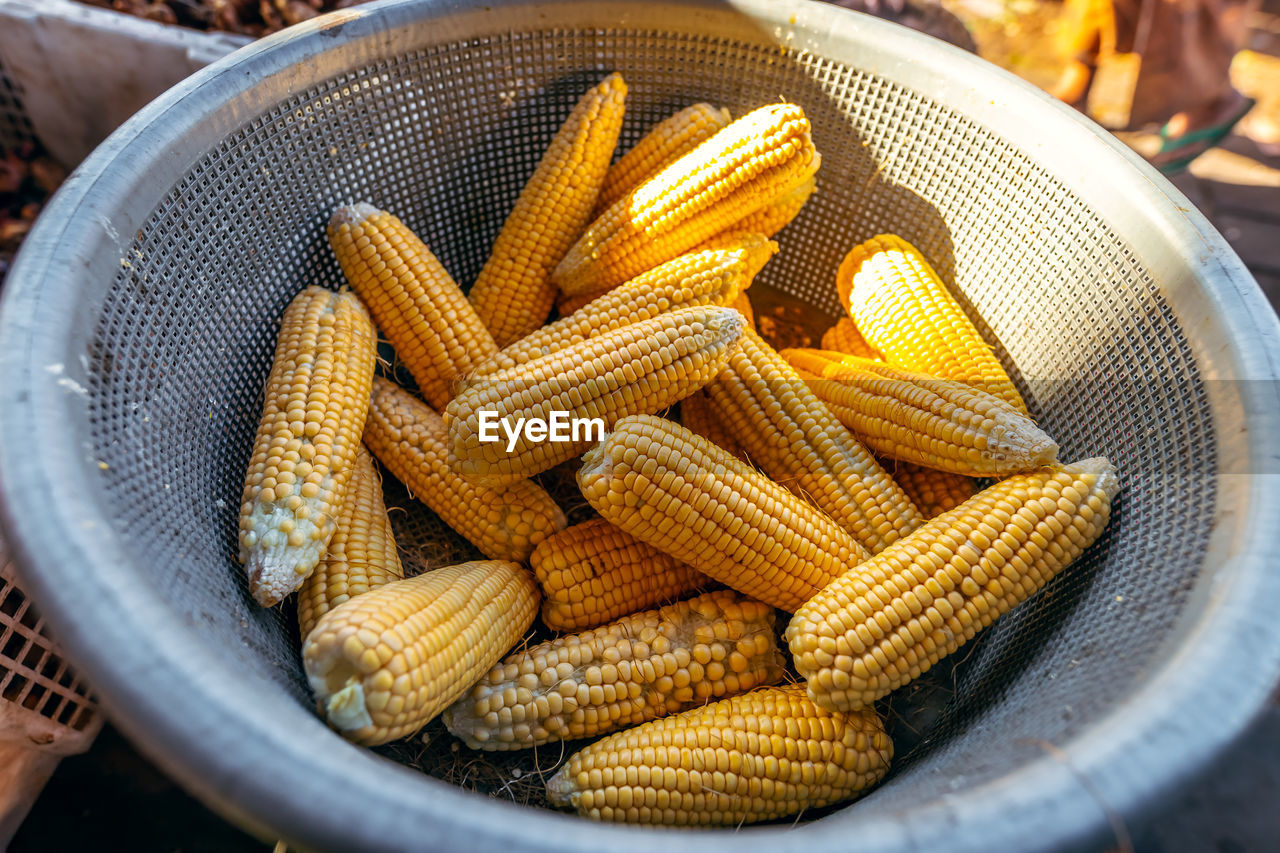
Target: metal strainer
{"points": [[138, 327]]}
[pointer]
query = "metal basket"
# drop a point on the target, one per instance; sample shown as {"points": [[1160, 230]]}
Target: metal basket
{"points": [[138, 326]]}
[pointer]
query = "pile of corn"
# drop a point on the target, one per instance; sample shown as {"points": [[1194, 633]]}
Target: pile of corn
{"points": [[774, 495]]}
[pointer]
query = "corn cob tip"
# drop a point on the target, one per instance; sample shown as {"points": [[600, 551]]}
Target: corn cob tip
{"points": [[560, 788], [613, 81], [1048, 455], [277, 568], [1108, 482], [352, 214], [1016, 436], [596, 462], [345, 709], [266, 592], [730, 320]]}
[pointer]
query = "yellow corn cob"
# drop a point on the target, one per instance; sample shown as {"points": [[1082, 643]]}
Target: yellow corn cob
{"points": [[668, 141], [434, 330], [313, 409], [772, 219], [743, 306], [902, 611], [790, 434], [844, 337], [711, 277], [814, 363], [748, 758], [741, 169], [906, 313], [638, 668], [513, 294], [760, 247], [670, 487], [697, 415], [735, 239], [383, 664], [594, 572], [934, 492], [903, 414], [361, 555], [568, 305], [412, 442], [639, 368]]}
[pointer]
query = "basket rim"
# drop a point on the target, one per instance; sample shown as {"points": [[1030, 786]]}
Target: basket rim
{"points": [[312, 788]]}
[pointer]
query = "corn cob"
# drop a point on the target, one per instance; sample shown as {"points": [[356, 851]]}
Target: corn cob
{"points": [[697, 415], [902, 611], [638, 668], [668, 141], [906, 313], [361, 555], [639, 368], [669, 487], [743, 306], [711, 277], [741, 169], [412, 442], [568, 305], [772, 219], [593, 572], [305, 450], [514, 294], [734, 240], [902, 414], [383, 664], [434, 330], [933, 492], [790, 434], [748, 758], [844, 337]]}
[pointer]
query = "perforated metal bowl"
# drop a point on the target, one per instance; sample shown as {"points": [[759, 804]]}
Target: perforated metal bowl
{"points": [[138, 323]]}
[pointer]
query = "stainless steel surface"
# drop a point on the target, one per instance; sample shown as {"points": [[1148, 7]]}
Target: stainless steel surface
{"points": [[137, 327]]}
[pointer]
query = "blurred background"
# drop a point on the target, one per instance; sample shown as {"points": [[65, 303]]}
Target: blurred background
{"points": [[1191, 85]]}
